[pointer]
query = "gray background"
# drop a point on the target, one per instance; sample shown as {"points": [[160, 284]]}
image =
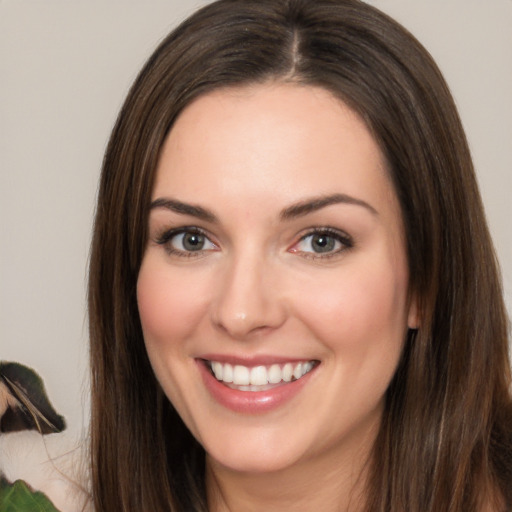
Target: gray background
{"points": [[65, 68]]}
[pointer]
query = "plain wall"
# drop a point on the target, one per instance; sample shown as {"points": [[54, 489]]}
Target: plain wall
{"points": [[65, 69]]}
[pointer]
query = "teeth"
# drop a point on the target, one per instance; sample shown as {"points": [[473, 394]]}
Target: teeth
{"points": [[217, 370], [274, 374], [259, 376], [241, 375], [227, 374], [288, 372], [249, 378]]}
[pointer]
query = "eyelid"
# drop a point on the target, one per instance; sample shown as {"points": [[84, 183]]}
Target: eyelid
{"points": [[340, 236], [167, 235]]}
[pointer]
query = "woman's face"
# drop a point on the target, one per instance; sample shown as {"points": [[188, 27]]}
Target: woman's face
{"points": [[276, 261]]}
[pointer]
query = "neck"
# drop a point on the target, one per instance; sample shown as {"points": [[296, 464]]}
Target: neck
{"points": [[331, 484]]}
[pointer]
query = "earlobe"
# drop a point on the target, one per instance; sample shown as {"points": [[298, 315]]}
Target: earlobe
{"points": [[413, 317]]}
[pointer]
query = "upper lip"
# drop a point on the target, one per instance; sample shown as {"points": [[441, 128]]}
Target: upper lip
{"points": [[250, 361]]}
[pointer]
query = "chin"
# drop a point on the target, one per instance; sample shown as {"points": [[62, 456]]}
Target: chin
{"points": [[256, 449], [250, 463]]}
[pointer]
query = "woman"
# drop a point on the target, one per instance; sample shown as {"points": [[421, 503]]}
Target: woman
{"points": [[294, 300]]}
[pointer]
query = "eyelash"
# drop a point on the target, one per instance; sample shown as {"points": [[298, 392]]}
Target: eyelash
{"points": [[166, 238], [342, 238]]}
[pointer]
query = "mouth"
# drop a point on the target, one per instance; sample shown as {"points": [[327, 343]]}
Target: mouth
{"points": [[259, 378], [257, 386]]}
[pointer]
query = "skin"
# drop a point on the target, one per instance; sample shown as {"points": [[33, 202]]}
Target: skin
{"points": [[259, 286]]}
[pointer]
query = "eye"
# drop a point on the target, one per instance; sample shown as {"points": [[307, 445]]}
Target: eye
{"points": [[322, 242], [186, 242]]}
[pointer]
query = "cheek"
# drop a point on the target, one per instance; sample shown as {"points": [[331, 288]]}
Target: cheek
{"points": [[358, 309], [170, 306]]}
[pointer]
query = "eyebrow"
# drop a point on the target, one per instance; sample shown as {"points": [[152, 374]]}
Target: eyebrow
{"points": [[184, 209], [299, 209], [317, 203]]}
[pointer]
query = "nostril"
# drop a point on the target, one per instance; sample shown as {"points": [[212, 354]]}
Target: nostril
{"points": [[245, 304]]}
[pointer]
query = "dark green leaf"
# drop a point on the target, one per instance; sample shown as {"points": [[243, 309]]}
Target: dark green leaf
{"points": [[18, 497]]}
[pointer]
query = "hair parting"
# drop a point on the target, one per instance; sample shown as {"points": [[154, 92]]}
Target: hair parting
{"points": [[445, 441]]}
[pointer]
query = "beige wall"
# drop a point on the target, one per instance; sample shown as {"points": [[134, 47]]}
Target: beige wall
{"points": [[65, 68]]}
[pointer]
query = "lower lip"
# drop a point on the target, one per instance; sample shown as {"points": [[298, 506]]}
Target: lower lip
{"points": [[251, 402]]}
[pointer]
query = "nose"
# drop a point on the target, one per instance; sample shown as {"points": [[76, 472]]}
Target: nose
{"points": [[248, 299]]}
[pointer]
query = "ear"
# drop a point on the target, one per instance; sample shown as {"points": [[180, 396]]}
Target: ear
{"points": [[413, 316]]}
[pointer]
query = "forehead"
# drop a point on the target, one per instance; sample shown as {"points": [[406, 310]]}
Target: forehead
{"points": [[277, 141]]}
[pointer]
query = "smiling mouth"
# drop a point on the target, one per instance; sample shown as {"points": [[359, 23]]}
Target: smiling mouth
{"points": [[259, 378]]}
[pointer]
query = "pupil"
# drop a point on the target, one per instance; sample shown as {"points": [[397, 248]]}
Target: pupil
{"points": [[323, 243], [193, 242]]}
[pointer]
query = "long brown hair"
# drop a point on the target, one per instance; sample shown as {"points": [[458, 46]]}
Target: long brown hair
{"points": [[445, 441]]}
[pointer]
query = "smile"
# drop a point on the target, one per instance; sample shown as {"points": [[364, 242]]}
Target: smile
{"points": [[259, 378], [259, 386]]}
